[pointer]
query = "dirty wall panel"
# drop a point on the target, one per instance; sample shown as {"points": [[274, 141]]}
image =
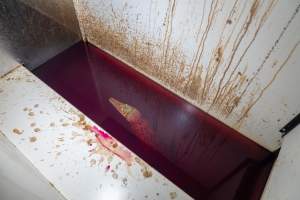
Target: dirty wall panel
{"points": [[30, 37], [236, 60], [61, 11]]}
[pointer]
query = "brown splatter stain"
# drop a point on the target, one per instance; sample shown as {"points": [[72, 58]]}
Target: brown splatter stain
{"points": [[31, 114], [37, 130], [201, 40], [36, 105], [17, 131], [140, 50], [90, 142], [173, 195], [232, 88], [81, 123], [246, 111], [115, 145], [52, 124], [32, 139], [147, 173], [33, 124]]}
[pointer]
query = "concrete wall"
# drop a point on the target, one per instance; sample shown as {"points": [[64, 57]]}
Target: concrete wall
{"points": [[236, 60]]}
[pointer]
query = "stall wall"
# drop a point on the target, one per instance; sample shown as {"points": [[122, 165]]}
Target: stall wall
{"points": [[236, 60]]}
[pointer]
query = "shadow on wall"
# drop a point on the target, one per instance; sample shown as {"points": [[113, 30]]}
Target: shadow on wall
{"points": [[30, 37]]}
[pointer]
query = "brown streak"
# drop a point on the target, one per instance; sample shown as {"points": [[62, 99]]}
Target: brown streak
{"points": [[261, 23], [268, 85], [271, 50], [239, 40]]}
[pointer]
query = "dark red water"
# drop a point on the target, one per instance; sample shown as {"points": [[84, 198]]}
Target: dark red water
{"points": [[201, 155]]}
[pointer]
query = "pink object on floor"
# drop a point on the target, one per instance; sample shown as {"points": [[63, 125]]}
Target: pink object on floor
{"points": [[111, 144]]}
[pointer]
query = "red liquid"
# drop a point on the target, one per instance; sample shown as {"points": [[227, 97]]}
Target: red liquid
{"points": [[204, 157]]}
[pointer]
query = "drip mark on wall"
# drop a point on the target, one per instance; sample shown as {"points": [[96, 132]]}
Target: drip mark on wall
{"points": [[215, 75]]}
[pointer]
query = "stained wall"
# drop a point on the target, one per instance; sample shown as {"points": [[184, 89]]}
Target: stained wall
{"points": [[236, 60]]}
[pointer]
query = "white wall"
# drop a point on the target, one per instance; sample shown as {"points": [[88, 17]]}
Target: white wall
{"points": [[19, 179], [237, 60], [284, 180]]}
